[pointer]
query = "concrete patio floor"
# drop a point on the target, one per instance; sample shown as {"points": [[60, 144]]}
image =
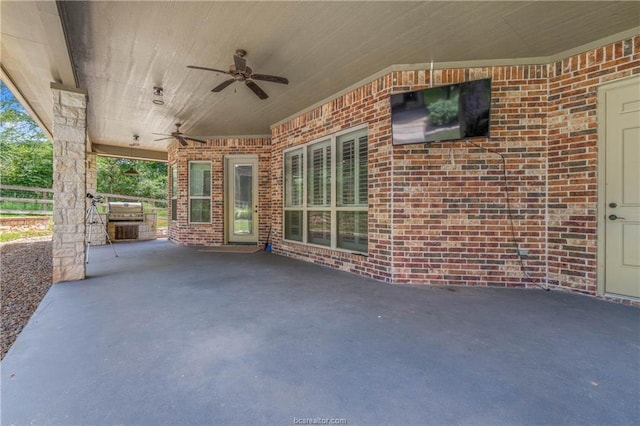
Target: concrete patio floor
{"points": [[172, 335]]}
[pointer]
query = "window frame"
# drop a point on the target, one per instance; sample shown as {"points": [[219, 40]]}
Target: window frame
{"points": [[333, 207], [200, 197], [294, 204], [174, 192]]}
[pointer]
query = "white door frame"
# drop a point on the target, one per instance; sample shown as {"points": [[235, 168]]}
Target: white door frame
{"points": [[254, 159], [601, 180]]}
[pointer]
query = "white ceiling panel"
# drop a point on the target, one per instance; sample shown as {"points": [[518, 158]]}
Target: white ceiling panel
{"points": [[122, 49]]}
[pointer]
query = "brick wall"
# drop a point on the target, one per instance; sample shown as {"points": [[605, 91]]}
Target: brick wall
{"points": [[366, 105], [438, 214], [210, 234], [451, 217], [573, 162]]}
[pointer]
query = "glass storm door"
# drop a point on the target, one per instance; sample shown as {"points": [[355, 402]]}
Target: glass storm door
{"points": [[242, 199]]}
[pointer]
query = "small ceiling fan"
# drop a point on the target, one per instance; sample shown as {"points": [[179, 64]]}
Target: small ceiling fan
{"points": [[241, 72], [181, 137]]}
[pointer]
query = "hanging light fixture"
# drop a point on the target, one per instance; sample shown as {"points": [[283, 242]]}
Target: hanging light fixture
{"points": [[158, 91], [132, 171]]}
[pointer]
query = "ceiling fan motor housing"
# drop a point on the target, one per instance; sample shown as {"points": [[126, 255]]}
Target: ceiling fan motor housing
{"points": [[239, 75]]}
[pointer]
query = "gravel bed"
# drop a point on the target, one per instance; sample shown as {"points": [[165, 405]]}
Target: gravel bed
{"points": [[26, 273]]}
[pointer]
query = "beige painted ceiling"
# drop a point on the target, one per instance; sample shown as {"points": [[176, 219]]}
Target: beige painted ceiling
{"points": [[121, 50]]}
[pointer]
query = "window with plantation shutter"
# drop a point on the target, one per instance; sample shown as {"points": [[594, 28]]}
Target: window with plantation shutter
{"points": [[353, 172], [293, 165], [363, 170], [346, 172], [319, 174], [294, 194], [326, 192]]}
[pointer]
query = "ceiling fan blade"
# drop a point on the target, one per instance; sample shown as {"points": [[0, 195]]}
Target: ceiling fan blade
{"points": [[222, 85], [161, 134], [240, 63], [182, 141], [162, 139], [270, 78], [256, 89], [189, 138], [195, 67]]}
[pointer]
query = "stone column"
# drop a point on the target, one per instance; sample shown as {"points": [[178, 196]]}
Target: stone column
{"points": [[69, 182]]}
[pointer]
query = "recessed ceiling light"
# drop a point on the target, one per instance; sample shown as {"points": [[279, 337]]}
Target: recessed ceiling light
{"points": [[158, 102]]}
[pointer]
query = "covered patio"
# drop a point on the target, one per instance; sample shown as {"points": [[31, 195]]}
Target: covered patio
{"points": [[167, 334], [300, 147]]}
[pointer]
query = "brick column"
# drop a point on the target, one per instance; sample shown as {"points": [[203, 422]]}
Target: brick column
{"points": [[69, 182]]}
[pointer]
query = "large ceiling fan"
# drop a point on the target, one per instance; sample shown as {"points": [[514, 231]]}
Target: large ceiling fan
{"points": [[241, 72], [179, 136]]}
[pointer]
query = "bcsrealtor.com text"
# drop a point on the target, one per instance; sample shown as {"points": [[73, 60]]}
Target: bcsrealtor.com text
{"points": [[319, 421]]}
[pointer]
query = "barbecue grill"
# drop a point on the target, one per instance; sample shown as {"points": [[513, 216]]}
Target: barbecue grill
{"points": [[125, 212]]}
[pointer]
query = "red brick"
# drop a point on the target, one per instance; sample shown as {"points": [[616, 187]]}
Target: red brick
{"points": [[432, 222]]}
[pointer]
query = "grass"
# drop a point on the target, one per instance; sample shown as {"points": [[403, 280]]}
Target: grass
{"points": [[17, 234], [241, 226], [15, 205], [14, 235], [162, 222], [5, 237]]}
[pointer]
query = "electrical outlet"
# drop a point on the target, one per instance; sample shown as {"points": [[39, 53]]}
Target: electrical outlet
{"points": [[523, 252]]}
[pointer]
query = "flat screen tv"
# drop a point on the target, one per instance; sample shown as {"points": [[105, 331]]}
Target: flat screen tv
{"points": [[443, 113]]}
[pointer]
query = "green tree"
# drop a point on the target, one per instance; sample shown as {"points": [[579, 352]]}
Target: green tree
{"points": [[26, 158], [26, 164], [26, 155], [151, 182]]}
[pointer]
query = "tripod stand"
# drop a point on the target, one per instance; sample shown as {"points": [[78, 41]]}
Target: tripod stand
{"points": [[92, 213]]}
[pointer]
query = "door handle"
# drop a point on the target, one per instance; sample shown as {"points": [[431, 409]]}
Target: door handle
{"points": [[614, 217]]}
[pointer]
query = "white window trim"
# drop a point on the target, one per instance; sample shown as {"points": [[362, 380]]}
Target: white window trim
{"points": [[199, 197], [174, 191], [333, 208]]}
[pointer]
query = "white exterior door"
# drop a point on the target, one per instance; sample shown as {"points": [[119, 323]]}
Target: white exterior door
{"points": [[241, 199], [621, 198]]}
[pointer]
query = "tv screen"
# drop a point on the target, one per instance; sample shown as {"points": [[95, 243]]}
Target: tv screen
{"points": [[454, 111]]}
